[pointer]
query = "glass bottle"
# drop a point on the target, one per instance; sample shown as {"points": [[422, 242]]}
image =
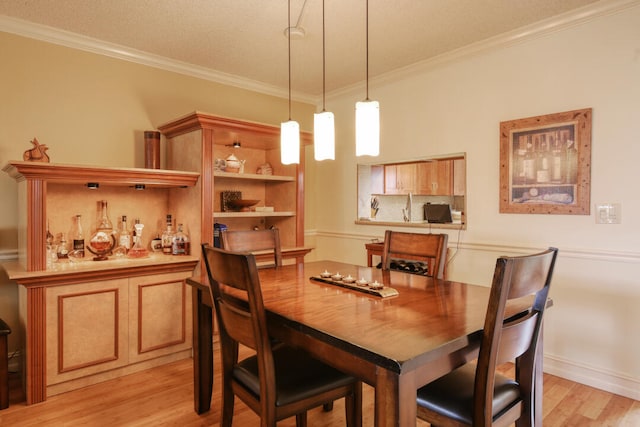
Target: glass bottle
{"points": [[63, 247], [519, 151], [180, 243], [103, 223], [529, 162], [134, 232], [103, 240], [167, 237], [124, 238], [138, 250], [556, 160], [76, 235], [571, 168], [544, 162]]}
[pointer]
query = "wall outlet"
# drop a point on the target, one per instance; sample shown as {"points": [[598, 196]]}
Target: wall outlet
{"points": [[608, 213]]}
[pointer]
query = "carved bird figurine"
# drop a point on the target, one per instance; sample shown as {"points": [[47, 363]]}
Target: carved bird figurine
{"points": [[37, 154]]}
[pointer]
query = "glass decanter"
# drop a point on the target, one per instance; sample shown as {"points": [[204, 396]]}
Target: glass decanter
{"points": [[138, 250]]}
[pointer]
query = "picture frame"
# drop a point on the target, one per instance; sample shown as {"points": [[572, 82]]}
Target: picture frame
{"points": [[545, 164]]}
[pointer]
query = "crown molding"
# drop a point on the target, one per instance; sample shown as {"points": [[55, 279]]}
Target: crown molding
{"points": [[112, 50], [520, 35]]}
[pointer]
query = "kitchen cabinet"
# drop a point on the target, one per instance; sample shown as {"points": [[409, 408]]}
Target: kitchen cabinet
{"points": [[195, 141], [400, 178], [435, 178], [85, 321]]}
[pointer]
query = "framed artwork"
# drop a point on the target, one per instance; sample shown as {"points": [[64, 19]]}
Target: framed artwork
{"points": [[545, 164]]}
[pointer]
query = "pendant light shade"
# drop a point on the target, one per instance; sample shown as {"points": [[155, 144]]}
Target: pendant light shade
{"points": [[324, 134], [367, 128], [289, 142], [324, 144], [367, 114], [289, 130]]}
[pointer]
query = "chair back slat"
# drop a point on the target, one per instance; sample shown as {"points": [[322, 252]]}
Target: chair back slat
{"points": [[516, 337], [254, 241], [431, 248], [529, 274]]}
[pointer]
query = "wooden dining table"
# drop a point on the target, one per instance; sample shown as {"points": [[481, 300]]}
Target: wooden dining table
{"points": [[395, 344]]}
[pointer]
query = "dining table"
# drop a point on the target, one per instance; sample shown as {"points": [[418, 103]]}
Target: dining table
{"points": [[395, 341]]}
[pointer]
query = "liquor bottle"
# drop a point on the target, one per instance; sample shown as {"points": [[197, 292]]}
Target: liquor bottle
{"points": [[519, 152], [556, 161], [124, 238], [571, 169], [167, 237], [180, 242], [543, 173], [529, 162], [103, 240], [134, 233], [103, 223], [63, 247], [76, 236]]}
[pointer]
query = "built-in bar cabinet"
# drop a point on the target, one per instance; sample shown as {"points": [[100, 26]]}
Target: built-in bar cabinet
{"points": [[87, 321]]}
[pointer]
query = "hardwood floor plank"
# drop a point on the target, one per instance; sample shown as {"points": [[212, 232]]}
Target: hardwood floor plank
{"points": [[163, 396]]}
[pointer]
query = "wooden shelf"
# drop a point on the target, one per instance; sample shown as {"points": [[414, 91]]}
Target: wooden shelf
{"points": [[252, 214], [78, 174], [254, 176]]}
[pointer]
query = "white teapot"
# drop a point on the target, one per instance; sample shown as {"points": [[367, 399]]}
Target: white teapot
{"points": [[234, 164]]}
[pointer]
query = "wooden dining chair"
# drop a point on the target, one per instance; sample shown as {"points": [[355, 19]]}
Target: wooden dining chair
{"points": [[279, 381], [431, 248], [474, 395], [254, 241]]}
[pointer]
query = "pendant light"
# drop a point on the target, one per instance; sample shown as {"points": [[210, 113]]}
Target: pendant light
{"points": [[367, 114], [324, 144], [289, 130]]}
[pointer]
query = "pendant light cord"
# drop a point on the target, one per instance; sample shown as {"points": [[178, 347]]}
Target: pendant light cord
{"points": [[323, 62], [289, 41], [367, 47]]}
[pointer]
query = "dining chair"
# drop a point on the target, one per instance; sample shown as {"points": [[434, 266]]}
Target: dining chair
{"points": [[474, 394], [431, 248], [278, 381], [254, 241]]}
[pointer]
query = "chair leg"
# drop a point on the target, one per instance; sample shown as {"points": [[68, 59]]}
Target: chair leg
{"points": [[227, 407], [353, 406], [301, 419]]}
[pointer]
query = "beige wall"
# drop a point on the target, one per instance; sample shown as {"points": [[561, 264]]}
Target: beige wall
{"points": [[92, 109], [593, 330]]}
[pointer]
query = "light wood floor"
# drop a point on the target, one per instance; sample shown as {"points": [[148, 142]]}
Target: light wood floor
{"points": [[164, 397]]}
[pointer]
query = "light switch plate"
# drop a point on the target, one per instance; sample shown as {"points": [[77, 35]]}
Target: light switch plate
{"points": [[608, 213]]}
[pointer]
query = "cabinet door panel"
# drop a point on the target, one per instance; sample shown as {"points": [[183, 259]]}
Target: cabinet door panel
{"points": [[86, 329], [435, 178], [160, 316], [400, 179]]}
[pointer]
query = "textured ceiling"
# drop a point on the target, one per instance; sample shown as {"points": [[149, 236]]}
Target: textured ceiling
{"points": [[245, 38]]}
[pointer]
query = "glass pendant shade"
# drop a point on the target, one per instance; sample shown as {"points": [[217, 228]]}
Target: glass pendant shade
{"points": [[324, 135], [367, 128], [289, 142]]}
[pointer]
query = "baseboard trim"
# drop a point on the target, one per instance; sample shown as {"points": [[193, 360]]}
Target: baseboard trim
{"points": [[611, 382]]}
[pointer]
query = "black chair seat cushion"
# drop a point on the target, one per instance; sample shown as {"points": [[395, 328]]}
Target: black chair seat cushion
{"points": [[452, 394], [298, 375]]}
